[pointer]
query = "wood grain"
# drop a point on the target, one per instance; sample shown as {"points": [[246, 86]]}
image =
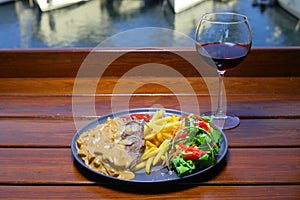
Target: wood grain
{"points": [[247, 166], [245, 106], [58, 133], [37, 115], [173, 192], [148, 85], [261, 62]]}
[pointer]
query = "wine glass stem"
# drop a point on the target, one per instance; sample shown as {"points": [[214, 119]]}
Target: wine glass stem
{"points": [[220, 112]]}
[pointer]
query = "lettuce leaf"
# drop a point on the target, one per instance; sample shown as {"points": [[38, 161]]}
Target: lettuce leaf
{"points": [[183, 167], [197, 137]]}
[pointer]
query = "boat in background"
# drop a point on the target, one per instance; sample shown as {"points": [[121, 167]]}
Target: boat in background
{"points": [[181, 5], [191, 17], [263, 2], [292, 6], [46, 5]]}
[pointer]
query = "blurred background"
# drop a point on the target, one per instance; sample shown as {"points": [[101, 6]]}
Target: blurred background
{"points": [[86, 24]]}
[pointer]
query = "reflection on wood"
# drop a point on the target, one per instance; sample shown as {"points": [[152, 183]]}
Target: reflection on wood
{"points": [[179, 5], [46, 5]]}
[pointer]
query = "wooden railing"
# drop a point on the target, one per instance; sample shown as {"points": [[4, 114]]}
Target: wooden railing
{"points": [[261, 62]]}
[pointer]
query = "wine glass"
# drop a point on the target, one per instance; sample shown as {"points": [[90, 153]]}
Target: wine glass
{"points": [[223, 40]]}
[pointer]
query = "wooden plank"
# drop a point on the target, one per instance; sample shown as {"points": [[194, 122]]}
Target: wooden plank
{"points": [[149, 85], [245, 106], [39, 63], [272, 61], [265, 133], [243, 166], [275, 61], [166, 192], [36, 133], [59, 133]]}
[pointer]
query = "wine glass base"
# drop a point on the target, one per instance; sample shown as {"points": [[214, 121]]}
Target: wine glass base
{"points": [[229, 121]]}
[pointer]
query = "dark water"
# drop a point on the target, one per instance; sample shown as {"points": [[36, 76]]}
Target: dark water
{"points": [[90, 23]]}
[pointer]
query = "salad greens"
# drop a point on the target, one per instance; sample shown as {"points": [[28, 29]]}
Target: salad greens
{"points": [[194, 146]]}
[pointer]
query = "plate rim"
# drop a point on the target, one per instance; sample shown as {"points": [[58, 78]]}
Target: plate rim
{"points": [[142, 110]]}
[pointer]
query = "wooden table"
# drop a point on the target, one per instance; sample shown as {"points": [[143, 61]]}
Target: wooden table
{"points": [[37, 122]]}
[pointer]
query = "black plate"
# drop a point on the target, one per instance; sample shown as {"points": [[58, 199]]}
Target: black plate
{"points": [[157, 176]]}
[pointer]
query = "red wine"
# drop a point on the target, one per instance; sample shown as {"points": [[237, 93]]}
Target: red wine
{"points": [[223, 54]]}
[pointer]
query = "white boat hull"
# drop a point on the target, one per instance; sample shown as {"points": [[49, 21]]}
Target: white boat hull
{"points": [[292, 6], [46, 5], [181, 5]]}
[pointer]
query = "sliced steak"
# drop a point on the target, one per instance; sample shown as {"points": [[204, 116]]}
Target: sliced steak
{"points": [[135, 143]]}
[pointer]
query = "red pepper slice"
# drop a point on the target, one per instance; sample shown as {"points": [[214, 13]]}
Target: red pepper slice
{"points": [[204, 125], [192, 153], [182, 146], [181, 135], [145, 117], [200, 118]]}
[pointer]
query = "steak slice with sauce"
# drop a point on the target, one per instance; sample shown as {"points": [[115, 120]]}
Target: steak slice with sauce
{"points": [[135, 143]]}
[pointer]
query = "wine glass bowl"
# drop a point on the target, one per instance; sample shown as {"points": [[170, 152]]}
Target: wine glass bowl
{"points": [[223, 40]]}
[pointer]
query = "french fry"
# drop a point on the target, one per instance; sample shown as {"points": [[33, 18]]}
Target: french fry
{"points": [[156, 142], [161, 121], [160, 137], [150, 136], [170, 126], [148, 150], [157, 134], [166, 135], [158, 114], [148, 165], [149, 154], [162, 150], [139, 166], [150, 144], [152, 130], [150, 125], [175, 118]]}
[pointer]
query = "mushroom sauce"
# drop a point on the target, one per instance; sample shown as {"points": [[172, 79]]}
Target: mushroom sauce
{"points": [[103, 149]]}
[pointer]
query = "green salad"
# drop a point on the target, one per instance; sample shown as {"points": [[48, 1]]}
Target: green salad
{"points": [[194, 145]]}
